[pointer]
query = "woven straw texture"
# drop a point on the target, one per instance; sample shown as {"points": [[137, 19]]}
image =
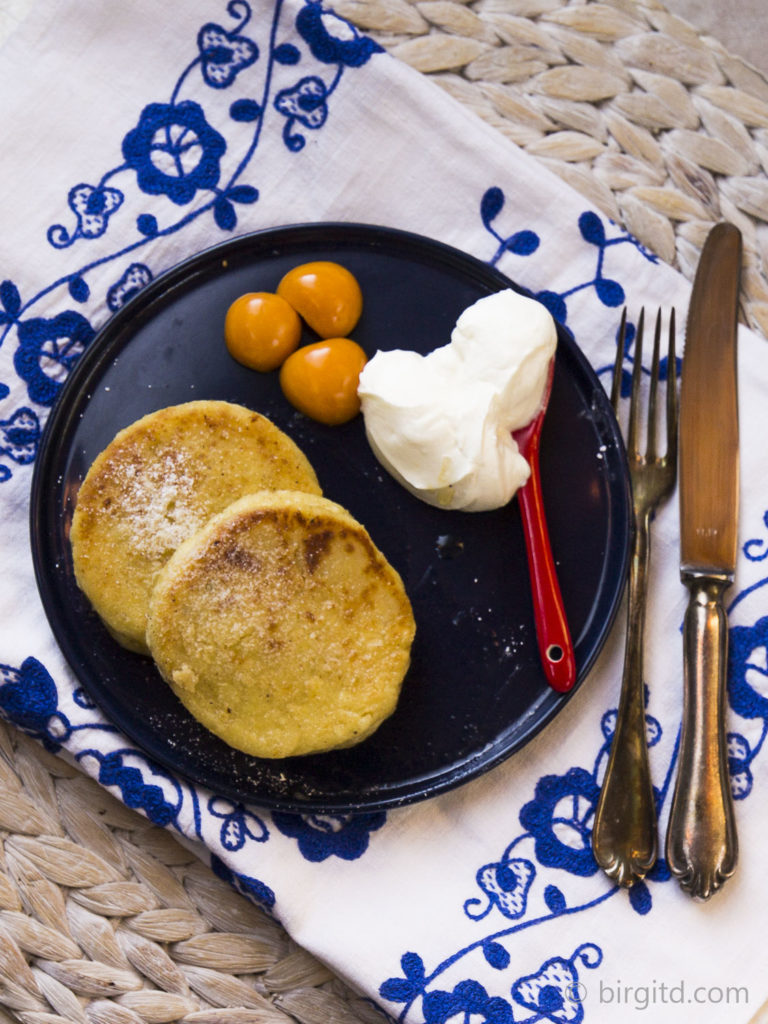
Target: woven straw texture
{"points": [[108, 920], [662, 129]]}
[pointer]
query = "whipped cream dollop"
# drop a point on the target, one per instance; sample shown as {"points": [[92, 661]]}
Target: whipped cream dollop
{"points": [[442, 424]]}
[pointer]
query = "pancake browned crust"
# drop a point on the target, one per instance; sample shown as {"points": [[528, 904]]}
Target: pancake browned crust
{"points": [[281, 627], [158, 482]]}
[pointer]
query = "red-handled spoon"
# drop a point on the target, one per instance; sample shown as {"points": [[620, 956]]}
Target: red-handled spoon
{"points": [[552, 633]]}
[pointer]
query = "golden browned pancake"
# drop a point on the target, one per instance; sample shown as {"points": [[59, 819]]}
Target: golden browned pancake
{"points": [[281, 627], [158, 482]]}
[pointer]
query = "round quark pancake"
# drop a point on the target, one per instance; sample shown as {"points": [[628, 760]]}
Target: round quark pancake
{"points": [[281, 627], [155, 484]]}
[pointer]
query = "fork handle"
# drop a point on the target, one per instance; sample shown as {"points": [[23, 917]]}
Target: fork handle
{"points": [[624, 832], [702, 845]]}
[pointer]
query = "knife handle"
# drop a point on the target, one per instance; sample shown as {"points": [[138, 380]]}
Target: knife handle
{"points": [[702, 845]]}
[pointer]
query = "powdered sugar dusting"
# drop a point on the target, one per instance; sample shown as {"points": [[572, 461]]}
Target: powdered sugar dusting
{"points": [[159, 503]]}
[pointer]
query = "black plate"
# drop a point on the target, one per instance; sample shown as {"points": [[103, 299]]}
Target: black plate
{"points": [[475, 692]]}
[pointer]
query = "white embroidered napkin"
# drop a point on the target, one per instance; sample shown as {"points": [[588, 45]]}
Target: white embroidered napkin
{"points": [[134, 136]]}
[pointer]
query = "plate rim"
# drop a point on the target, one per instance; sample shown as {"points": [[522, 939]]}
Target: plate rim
{"points": [[66, 408]]}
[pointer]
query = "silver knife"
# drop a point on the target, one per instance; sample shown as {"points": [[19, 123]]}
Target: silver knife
{"points": [[701, 845]]}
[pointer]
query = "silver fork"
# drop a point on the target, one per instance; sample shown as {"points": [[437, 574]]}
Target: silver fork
{"points": [[624, 836]]}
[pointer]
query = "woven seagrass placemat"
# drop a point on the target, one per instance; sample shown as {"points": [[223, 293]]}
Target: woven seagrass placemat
{"points": [[662, 129], [107, 919]]}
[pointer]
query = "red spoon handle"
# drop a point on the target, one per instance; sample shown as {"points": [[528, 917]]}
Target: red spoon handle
{"points": [[552, 633]]}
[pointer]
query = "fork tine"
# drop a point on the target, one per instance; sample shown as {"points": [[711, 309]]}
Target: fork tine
{"points": [[672, 393], [618, 365], [636, 372], [651, 451]]}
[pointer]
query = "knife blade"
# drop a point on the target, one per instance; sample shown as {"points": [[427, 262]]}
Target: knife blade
{"points": [[702, 845]]}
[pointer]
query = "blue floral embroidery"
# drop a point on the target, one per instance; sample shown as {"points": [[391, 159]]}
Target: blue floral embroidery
{"points": [[412, 984], [134, 791], [520, 893], [521, 243], [744, 642], [756, 548], [93, 206], [132, 281], [748, 697], [563, 803], [54, 344], [238, 824], [524, 243], [143, 784], [81, 698], [553, 991], [253, 888], [330, 835], [333, 40], [306, 103], [506, 884], [29, 698], [740, 757], [10, 300], [224, 54], [174, 151], [20, 436], [559, 876], [468, 998]]}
